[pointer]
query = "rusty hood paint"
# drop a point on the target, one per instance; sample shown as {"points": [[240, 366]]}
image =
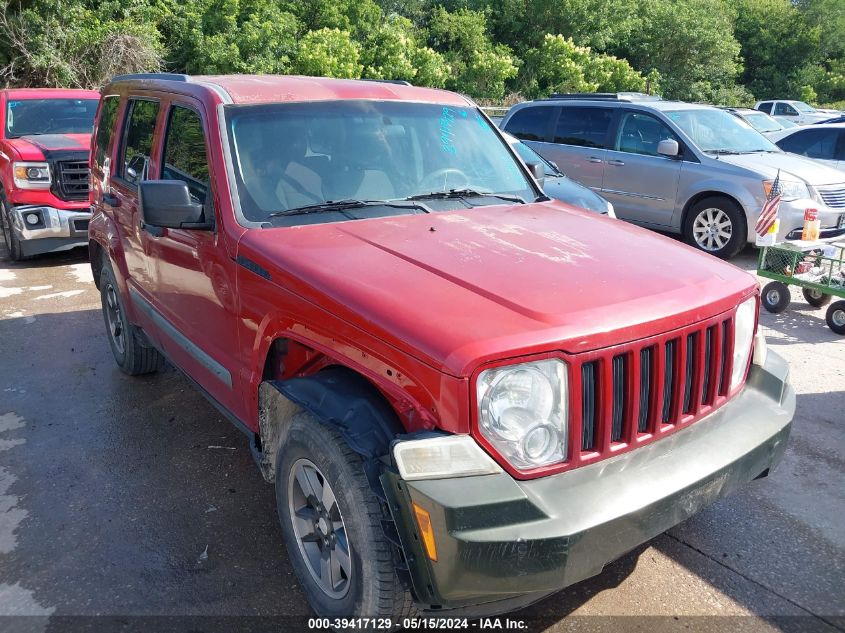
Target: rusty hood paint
{"points": [[456, 289]]}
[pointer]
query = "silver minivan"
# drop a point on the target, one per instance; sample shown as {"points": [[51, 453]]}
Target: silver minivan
{"points": [[678, 167]]}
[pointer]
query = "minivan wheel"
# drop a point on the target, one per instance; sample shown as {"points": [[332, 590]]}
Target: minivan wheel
{"points": [[815, 298], [332, 526], [129, 351], [716, 225]]}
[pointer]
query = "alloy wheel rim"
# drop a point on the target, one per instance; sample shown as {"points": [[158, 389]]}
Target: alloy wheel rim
{"points": [[838, 318], [773, 296], [319, 528], [113, 316], [712, 229]]}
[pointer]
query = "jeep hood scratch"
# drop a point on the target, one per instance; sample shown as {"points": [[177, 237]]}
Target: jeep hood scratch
{"points": [[459, 288]]}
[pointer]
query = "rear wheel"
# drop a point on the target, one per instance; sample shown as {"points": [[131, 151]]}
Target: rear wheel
{"points": [[836, 317], [775, 297], [332, 526], [815, 298], [129, 351], [716, 225]]}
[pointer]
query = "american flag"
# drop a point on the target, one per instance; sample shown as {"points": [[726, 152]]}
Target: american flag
{"points": [[770, 210]]}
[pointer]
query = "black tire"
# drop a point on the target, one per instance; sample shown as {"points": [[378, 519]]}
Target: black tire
{"points": [[835, 317], [815, 298], [721, 210], [372, 588], [775, 297], [14, 251], [130, 353]]}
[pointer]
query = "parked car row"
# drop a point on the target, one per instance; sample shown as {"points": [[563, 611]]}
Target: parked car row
{"points": [[468, 395]]}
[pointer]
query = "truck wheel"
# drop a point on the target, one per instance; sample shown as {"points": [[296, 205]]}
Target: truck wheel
{"points": [[815, 298], [716, 225], [331, 522], [775, 297], [13, 243], [836, 317], [131, 355]]}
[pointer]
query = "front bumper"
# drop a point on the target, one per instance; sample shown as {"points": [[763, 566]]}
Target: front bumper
{"points": [[56, 230], [791, 216], [504, 543]]}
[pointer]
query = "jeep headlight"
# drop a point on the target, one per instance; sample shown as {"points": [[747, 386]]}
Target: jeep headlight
{"points": [[522, 412], [31, 175], [789, 189], [744, 321]]}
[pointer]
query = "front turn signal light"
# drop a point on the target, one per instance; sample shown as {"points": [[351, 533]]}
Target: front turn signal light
{"points": [[426, 531]]}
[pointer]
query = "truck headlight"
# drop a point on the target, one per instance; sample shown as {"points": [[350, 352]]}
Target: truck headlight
{"points": [[29, 175], [439, 457], [789, 189], [522, 412], [744, 322]]}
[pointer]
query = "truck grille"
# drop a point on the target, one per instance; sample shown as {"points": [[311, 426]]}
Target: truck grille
{"points": [[71, 179], [629, 395], [833, 196]]}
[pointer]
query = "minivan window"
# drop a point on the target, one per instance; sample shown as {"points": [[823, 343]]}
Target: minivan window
{"points": [[640, 133], [138, 140], [185, 157], [718, 131], [812, 143], [105, 129], [530, 124], [288, 156], [586, 127]]}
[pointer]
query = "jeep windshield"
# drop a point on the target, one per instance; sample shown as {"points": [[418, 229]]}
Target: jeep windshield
{"points": [[27, 117], [719, 132], [330, 161]]}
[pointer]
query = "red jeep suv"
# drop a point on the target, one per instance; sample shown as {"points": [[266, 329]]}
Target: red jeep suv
{"points": [[44, 146], [468, 395]]}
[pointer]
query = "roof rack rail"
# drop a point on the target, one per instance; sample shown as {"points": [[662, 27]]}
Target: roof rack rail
{"points": [[606, 96], [398, 82], [161, 76]]}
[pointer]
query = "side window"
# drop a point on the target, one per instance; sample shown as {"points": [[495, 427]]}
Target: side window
{"points": [[640, 133], [586, 127], [138, 140], [766, 107], [530, 124], [784, 109], [812, 143], [184, 152], [105, 128]]}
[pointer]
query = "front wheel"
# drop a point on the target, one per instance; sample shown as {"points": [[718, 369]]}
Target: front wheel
{"points": [[716, 225], [836, 317], [332, 526], [13, 243], [775, 297], [815, 298]]}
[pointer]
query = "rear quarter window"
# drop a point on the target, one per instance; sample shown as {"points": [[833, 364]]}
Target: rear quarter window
{"points": [[530, 124]]}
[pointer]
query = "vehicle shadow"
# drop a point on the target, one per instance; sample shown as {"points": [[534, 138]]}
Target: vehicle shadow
{"points": [[48, 260]]}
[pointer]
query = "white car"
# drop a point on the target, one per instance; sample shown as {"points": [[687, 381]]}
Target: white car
{"points": [[824, 142], [798, 111], [760, 121]]}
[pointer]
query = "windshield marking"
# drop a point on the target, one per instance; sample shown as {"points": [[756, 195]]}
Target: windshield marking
{"points": [[447, 134]]}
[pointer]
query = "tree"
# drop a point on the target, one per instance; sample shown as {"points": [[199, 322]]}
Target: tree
{"points": [[328, 53]]}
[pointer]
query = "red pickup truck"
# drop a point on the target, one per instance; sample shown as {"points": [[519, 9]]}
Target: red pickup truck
{"points": [[468, 396], [44, 146]]}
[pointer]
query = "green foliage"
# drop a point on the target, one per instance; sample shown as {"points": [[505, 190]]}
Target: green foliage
{"points": [[392, 51], [328, 53]]}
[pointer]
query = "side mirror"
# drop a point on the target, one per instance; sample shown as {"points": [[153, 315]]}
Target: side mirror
{"points": [[168, 204], [668, 147], [538, 171]]}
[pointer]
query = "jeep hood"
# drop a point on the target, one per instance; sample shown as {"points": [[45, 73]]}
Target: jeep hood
{"points": [[42, 146], [458, 288], [767, 164]]}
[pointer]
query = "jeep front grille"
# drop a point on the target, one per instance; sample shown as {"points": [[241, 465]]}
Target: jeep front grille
{"points": [[632, 394], [71, 179], [833, 196]]}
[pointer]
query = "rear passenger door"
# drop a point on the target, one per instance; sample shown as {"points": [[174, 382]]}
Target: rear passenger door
{"points": [[578, 142], [641, 184]]}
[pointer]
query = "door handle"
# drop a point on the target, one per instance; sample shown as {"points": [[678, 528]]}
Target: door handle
{"points": [[593, 159], [618, 163], [111, 200]]}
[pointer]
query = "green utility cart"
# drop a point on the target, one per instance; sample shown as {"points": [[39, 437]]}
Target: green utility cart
{"points": [[817, 267]]}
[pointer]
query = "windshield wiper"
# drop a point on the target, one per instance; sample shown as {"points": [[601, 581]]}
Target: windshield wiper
{"points": [[344, 205], [723, 151], [464, 193]]}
